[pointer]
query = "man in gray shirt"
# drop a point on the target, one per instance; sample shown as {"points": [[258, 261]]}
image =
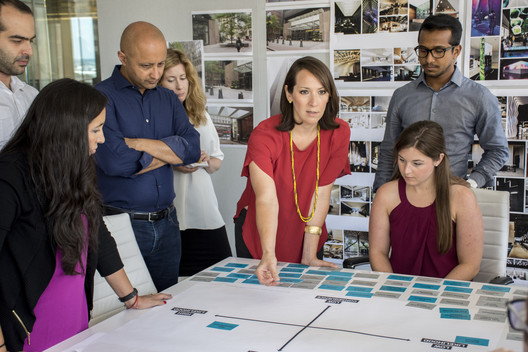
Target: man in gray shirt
{"points": [[442, 94]]}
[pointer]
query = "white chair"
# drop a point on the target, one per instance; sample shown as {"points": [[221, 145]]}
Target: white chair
{"points": [[495, 207], [106, 302]]}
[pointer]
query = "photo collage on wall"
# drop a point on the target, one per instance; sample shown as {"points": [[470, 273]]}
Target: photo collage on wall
{"points": [[499, 36], [361, 25], [227, 71], [372, 16]]}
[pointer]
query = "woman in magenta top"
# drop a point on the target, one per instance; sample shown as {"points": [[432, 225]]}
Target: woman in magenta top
{"points": [[52, 238], [428, 220], [291, 164]]}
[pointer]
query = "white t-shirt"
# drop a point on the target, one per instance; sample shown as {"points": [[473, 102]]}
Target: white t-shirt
{"points": [[13, 106], [195, 202]]}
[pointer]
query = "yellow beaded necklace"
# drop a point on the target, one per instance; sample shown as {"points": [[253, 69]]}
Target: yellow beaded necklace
{"points": [[306, 219]]}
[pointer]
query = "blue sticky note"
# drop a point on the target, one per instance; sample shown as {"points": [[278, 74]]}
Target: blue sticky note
{"points": [[224, 270], [331, 287], [454, 311], [400, 277], [293, 265], [360, 294], [457, 283], [455, 316], [392, 288], [495, 288], [239, 276], [291, 275], [458, 289], [319, 272], [338, 278], [359, 289], [472, 341], [291, 270], [222, 326], [422, 299], [251, 281], [236, 265], [426, 286], [225, 279]]}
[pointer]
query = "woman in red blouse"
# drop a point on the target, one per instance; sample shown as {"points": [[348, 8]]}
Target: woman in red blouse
{"points": [[291, 164]]}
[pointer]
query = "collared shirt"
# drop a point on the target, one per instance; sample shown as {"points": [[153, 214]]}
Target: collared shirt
{"points": [[155, 114], [463, 108], [13, 106]]}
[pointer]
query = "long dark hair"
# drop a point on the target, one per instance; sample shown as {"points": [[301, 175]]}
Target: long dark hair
{"points": [[322, 73], [54, 138], [428, 138]]}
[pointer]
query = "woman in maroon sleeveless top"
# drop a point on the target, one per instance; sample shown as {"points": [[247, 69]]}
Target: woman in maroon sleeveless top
{"points": [[425, 221]]}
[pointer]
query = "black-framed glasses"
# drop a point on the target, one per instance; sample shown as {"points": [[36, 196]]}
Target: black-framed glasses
{"points": [[437, 53], [517, 314]]}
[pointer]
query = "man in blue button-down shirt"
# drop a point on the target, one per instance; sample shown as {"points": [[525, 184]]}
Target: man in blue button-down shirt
{"points": [[461, 106], [146, 131]]}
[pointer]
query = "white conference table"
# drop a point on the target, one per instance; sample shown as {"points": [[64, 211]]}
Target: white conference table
{"points": [[223, 308]]}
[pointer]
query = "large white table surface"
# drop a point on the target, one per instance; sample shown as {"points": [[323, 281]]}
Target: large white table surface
{"points": [[312, 309]]}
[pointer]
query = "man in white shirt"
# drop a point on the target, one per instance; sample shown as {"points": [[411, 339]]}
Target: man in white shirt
{"points": [[17, 32]]}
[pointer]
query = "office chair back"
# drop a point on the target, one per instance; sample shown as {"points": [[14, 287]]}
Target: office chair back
{"points": [[495, 208], [106, 303]]}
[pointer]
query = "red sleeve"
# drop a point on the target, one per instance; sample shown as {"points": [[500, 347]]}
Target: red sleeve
{"points": [[263, 147], [338, 164]]}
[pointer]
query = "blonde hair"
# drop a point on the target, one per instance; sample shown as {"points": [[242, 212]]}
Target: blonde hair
{"points": [[194, 103]]}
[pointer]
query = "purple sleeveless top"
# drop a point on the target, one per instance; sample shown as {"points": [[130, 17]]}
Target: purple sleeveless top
{"points": [[61, 310], [413, 234]]}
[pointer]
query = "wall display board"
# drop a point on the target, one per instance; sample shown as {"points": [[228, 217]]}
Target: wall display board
{"points": [[228, 70], [223, 308]]}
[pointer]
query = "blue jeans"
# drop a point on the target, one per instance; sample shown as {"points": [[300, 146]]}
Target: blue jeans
{"points": [[160, 244]]}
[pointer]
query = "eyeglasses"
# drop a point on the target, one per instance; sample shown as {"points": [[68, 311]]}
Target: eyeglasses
{"points": [[437, 53], [517, 314]]}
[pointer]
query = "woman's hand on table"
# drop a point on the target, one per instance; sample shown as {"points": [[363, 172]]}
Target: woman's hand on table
{"points": [[267, 271], [153, 300], [318, 262]]}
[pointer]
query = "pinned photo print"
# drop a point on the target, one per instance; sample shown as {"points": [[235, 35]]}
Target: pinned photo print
{"points": [[405, 56], [485, 18], [229, 80], [419, 10], [234, 124], [347, 66], [298, 29], [227, 33], [484, 58], [515, 33], [348, 17], [393, 24]]}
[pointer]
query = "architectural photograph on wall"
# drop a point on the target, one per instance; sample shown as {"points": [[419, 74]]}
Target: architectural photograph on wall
{"points": [[298, 29], [229, 80], [225, 33], [233, 123]]}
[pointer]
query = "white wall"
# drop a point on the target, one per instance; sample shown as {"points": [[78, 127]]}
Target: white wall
{"points": [[173, 18]]}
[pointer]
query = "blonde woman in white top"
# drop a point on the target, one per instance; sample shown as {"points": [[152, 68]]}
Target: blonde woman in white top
{"points": [[203, 233]]}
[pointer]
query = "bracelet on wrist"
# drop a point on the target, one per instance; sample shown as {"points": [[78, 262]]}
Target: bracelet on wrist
{"points": [[313, 230], [133, 305], [129, 296]]}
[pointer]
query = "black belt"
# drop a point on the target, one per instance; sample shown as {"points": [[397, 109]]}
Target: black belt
{"points": [[137, 215]]}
